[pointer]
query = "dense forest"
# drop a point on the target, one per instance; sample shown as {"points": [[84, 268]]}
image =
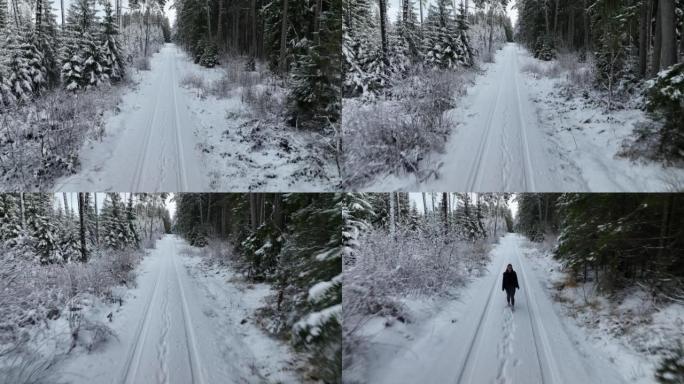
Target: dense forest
{"points": [[59, 254], [629, 42], [60, 70], [612, 239], [402, 248], [300, 40], [292, 241], [402, 72]]}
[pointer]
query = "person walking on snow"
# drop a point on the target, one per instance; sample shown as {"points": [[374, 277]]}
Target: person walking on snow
{"points": [[510, 284]]}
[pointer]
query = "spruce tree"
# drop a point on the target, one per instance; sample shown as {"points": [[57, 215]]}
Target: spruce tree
{"points": [[316, 82], [314, 251], [442, 48], [41, 227], [115, 229], [364, 70], [112, 54], [27, 76], [356, 215]]}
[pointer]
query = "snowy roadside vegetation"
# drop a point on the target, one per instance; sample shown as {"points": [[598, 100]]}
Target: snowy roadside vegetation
{"points": [[401, 79], [612, 85], [271, 104], [402, 266], [58, 82], [613, 264], [65, 272], [246, 136], [285, 250]]}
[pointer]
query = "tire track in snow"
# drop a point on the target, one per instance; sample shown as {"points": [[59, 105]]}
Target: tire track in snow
{"points": [[547, 363], [506, 346], [473, 348], [180, 159], [133, 358], [190, 338], [140, 164], [162, 347], [528, 173], [474, 175]]}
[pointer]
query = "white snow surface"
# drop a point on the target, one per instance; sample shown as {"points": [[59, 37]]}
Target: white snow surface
{"points": [[182, 326], [479, 339], [514, 133], [150, 145]]}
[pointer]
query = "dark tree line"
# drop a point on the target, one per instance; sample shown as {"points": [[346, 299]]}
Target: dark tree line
{"points": [[293, 241], [300, 40], [630, 41], [616, 240]]}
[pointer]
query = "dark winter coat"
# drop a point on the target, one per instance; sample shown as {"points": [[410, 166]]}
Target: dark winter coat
{"points": [[510, 280]]}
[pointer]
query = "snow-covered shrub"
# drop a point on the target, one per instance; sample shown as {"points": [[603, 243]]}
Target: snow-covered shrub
{"points": [[209, 57], [671, 369], [544, 48], [666, 101], [395, 136], [262, 249], [142, 63]]}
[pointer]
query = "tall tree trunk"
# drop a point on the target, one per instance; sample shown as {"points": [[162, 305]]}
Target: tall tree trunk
{"points": [[644, 44], [67, 212], [97, 220], [546, 17], [668, 52], [253, 210], [658, 41], [219, 26], [23, 210], [39, 17], [81, 215], [425, 210], [383, 30], [253, 13], [445, 209], [61, 8], [392, 218], [587, 26], [317, 22], [555, 20], [282, 62]]}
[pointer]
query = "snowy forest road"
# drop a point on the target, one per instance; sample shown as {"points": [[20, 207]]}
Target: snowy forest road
{"points": [[152, 147], [167, 333], [498, 144], [492, 344]]}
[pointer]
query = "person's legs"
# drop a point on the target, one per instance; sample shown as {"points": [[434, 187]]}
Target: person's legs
{"points": [[510, 296]]}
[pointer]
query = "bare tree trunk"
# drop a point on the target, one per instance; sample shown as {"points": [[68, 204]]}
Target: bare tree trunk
{"points": [[555, 20], [23, 210], [61, 8], [67, 213], [16, 12], [282, 62], [420, 2], [81, 215], [644, 44], [392, 223], [97, 220], [383, 29], [587, 25], [668, 52], [219, 26], [253, 13], [657, 44], [425, 210], [445, 209], [317, 22]]}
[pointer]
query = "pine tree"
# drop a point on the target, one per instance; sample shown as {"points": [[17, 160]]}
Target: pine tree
{"points": [[356, 215], [364, 70], [316, 82], [443, 47], [71, 59], [81, 54], [313, 261], [112, 54], [47, 41], [26, 72], [10, 222], [41, 227], [115, 227]]}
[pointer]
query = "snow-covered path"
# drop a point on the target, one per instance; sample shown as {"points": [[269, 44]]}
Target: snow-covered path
{"points": [[171, 332], [150, 145], [489, 343], [497, 145]]}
